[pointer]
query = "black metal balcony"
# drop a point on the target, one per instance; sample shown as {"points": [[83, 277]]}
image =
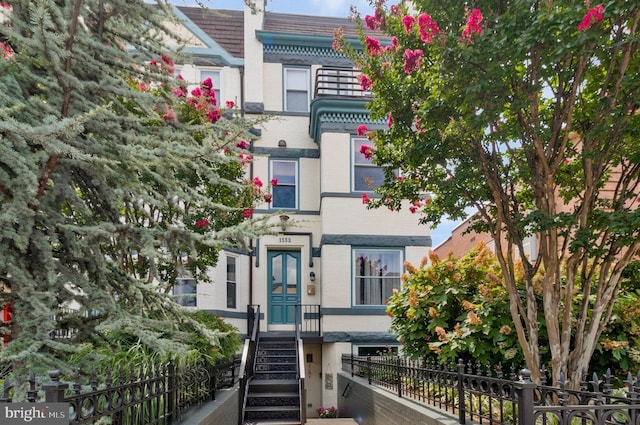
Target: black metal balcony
{"points": [[338, 83]]}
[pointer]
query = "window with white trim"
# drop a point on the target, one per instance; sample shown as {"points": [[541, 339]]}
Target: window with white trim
{"points": [[231, 282], [285, 191], [376, 274], [296, 90], [185, 292], [215, 79], [366, 175]]}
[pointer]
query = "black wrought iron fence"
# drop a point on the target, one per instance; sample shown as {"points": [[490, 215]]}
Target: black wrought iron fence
{"points": [[148, 394], [493, 396]]}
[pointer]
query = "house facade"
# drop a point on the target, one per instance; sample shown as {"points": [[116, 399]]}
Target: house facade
{"points": [[334, 261]]}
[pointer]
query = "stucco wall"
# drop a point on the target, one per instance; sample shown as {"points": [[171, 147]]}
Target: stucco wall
{"points": [[370, 405], [223, 410]]}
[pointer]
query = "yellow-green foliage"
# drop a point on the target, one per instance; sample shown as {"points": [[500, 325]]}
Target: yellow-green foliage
{"points": [[456, 308]]}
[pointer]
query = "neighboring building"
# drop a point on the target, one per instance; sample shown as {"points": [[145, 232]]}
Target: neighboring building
{"points": [[334, 258], [461, 241]]}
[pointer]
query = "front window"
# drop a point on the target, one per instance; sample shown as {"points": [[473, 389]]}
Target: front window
{"points": [[215, 79], [366, 175], [376, 274], [231, 282], [184, 292], [296, 86], [284, 192]]}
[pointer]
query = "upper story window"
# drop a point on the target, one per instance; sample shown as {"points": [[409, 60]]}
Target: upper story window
{"points": [[376, 275], [285, 192], [184, 292], [215, 79], [231, 282], [366, 175], [297, 90]]}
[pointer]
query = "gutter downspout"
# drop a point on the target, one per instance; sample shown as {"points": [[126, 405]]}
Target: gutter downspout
{"points": [[250, 179]]}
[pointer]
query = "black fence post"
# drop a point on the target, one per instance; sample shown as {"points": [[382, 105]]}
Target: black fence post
{"points": [[369, 368], [212, 380], [171, 392], [399, 370], [524, 394], [462, 412], [54, 390]]}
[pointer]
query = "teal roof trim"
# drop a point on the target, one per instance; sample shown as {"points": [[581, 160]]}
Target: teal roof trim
{"points": [[307, 40], [334, 107], [214, 51]]}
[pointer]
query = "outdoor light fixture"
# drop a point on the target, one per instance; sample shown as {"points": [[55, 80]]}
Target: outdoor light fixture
{"points": [[283, 222], [282, 143], [312, 277]]}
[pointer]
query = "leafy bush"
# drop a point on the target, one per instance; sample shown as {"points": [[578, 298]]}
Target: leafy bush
{"points": [[459, 309]]}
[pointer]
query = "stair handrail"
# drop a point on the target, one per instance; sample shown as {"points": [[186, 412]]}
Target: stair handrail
{"points": [[300, 367], [248, 363]]}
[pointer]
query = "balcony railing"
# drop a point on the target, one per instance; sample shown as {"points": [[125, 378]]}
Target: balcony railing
{"points": [[338, 82]]}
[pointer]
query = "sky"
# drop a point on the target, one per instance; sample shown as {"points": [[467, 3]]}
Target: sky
{"points": [[332, 8]]}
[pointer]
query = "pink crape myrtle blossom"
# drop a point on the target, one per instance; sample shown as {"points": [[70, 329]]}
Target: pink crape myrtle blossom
{"points": [[242, 144], [230, 104], [207, 83], [203, 222], [428, 28], [267, 197], [593, 16], [362, 130], [365, 82], [248, 213], [407, 22], [257, 182], [365, 198], [371, 22], [366, 151], [412, 60], [372, 46], [472, 27], [274, 182], [389, 120], [7, 52]]}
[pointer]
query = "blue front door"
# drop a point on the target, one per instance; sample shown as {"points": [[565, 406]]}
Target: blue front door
{"points": [[284, 286]]}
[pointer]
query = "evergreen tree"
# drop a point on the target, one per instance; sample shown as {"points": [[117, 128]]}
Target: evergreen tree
{"points": [[107, 179]]}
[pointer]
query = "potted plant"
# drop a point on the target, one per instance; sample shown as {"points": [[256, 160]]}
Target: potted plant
{"points": [[327, 412]]}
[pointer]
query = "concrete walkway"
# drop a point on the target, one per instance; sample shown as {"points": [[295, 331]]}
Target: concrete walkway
{"points": [[337, 421]]}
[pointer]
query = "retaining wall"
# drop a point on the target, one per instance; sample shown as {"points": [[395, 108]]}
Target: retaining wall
{"points": [[370, 405]]}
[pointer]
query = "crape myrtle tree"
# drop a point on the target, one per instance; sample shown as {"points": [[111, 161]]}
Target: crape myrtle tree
{"points": [[526, 111], [113, 179]]}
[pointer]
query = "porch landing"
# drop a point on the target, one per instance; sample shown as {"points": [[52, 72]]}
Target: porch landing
{"points": [[331, 421]]}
